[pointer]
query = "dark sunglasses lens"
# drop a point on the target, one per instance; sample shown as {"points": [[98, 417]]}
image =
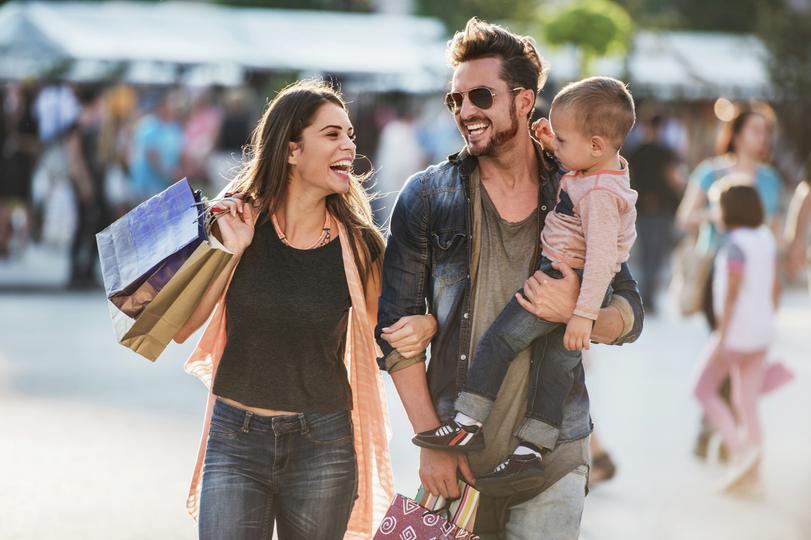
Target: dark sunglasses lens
{"points": [[481, 98], [453, 101]]}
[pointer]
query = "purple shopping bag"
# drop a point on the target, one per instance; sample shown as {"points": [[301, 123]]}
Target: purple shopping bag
{"points": [[407, 520]]}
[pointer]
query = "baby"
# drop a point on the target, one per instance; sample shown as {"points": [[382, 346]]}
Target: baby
{"points": [[591, 229]]}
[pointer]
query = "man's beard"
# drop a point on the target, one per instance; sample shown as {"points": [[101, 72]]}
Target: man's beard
{"points": [[499, 138]]}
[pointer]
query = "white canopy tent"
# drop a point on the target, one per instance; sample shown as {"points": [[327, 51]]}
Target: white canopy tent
{"points": [[699, 65], [37, 36]]}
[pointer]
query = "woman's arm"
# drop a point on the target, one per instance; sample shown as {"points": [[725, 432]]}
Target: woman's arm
{"points": [[777, 286], [372, 292], [203, 310], [734, 279], [235, 229], [410, 335], [692, 212]]}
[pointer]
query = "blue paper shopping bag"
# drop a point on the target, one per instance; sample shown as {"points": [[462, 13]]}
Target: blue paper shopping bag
{"points": [[141, 251]]}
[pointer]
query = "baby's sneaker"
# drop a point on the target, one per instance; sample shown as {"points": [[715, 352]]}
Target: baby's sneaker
{"points": [[521, 471], [451, 436]]}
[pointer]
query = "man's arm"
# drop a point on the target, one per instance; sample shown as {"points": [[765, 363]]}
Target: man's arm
{"points": [[406, 274], [554, 300], [406, 270]]}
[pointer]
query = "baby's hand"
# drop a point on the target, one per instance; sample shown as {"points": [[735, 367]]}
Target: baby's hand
{"points": [[543, 132], [578, 332]]}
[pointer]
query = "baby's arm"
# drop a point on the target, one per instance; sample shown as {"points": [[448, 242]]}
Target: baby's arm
{"points": [[599, 212]]}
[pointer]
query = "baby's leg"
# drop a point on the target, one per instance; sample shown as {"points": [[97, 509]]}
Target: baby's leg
{"points": [[513, 331], [551, 379]]}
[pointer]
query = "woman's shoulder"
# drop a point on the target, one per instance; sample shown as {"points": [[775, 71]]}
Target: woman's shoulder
{"points": [[710, 170], [767, 173]]}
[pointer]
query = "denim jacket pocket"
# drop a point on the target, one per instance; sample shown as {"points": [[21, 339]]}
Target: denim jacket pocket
{"points": [[449, 264]]}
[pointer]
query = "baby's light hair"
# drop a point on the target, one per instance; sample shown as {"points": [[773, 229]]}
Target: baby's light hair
{"points": [[602, 106]]}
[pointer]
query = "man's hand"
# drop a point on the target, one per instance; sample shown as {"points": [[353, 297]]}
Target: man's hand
{"points": [[551, 299], [438, 472], [578, 333], [411, 334], [543, 132]]}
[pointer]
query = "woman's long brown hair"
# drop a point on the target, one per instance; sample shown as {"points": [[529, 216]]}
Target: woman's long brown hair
{"points": [[265, 175]]}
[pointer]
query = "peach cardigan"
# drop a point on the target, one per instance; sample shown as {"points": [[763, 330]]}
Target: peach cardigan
{"points": [[369, 416]]}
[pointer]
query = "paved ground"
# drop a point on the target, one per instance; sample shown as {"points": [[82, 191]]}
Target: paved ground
{"points": [[99, 443]]}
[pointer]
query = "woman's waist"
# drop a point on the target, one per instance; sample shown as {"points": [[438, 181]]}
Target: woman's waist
{"points": [[256, 410]]}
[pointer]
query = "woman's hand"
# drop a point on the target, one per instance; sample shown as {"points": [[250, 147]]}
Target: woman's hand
{"points": [[235, 223], [551, 299], [411, 334]]}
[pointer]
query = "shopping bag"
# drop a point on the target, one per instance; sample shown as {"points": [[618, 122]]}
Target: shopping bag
{"points": [[461, 512], [151, 331], [692, 265], [407, 520], [141, 251]]}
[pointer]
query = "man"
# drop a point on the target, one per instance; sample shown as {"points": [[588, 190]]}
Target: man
{"points": [[464, 237], [658, 181]]}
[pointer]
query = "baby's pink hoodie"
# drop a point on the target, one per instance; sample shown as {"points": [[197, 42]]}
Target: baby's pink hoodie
{"points": [[592, 227]]}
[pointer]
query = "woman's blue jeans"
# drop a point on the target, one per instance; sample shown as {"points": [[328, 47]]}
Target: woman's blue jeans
{"points": [[296, 471]]}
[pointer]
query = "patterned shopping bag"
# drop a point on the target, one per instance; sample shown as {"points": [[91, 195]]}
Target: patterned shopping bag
{"points": [[407, 520]]}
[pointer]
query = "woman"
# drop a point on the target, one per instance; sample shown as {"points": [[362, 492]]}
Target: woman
{"points": [[296, 424], [743, 147]]}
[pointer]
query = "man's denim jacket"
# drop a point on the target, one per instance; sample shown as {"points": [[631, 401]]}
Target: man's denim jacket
{"points": [[427, 265]]}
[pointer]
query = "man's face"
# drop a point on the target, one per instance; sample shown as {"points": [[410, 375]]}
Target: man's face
{"points": [[485, 130]]}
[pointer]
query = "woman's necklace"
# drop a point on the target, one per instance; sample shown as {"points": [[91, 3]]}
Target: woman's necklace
{"points": [[322, 240]]}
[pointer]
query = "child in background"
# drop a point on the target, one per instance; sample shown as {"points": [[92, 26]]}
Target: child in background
{"points": [[745, 296], [591, 229]]}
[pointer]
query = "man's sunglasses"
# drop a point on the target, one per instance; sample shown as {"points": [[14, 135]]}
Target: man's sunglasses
{"points": [[481, 97]]}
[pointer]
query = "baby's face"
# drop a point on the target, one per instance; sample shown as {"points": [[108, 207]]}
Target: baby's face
{"points": [[570, 146]]}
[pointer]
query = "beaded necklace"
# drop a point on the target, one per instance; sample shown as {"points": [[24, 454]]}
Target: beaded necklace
{"points": [[322, 240]]}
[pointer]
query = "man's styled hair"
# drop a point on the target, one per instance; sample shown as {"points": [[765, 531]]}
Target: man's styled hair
{"points": [[521, 65], [601, 105]]}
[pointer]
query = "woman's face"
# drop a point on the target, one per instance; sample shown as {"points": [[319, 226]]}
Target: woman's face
{"points": [[322, 159], [753, 138]]}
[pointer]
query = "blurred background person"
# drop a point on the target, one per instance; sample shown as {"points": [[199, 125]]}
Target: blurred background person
{"points": [[743, 149], [87, 176], [157, 144], [200, 135], [19, 148], [745, 295], [399, 155], [798, 223], [117, 122], [237, 120], [655, 175]]}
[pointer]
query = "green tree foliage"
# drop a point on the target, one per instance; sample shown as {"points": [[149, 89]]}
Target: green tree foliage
{"points": [[455, 13], [595, 27]]}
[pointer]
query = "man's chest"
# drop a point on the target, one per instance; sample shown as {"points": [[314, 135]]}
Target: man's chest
{"points": [[512, 204]]}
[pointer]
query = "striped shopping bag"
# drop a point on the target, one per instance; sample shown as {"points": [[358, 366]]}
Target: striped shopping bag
{"points": [[461, 512]]}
